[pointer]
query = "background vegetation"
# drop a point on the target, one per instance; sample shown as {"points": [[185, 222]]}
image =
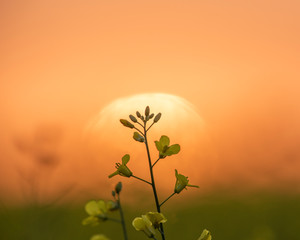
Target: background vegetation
{"points": [[255, 217]]}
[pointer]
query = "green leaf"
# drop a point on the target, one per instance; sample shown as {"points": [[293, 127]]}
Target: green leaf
{"points": [[164, 140], [138, 137], [173, 149], [125, 159]]}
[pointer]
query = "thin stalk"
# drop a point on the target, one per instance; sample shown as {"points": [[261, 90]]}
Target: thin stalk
{"points": [[139, 131], [155, 162], [152, 180], [150, 127], [167, 199], [141, 179], [140, 124], [122, 219]]}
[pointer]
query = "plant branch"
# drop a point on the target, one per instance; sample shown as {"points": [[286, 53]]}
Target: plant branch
{"points": [[139, 131], [150, 127], [122, 218], [152, 179], [156, 161], [167, 199], [142, 179]]}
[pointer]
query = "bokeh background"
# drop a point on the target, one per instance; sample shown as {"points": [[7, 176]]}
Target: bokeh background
{"points": [[236, 62]]}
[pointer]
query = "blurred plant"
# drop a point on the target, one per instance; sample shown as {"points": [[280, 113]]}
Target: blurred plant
{"points": [[152, 222], [98, 211], [42, 148]]}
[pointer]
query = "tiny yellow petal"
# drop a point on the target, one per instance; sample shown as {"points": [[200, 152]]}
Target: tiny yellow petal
{"points": [[92, 208], [99, 237], [205, 235]]}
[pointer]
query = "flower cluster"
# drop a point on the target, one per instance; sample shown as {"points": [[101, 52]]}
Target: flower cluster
{"points": [[149, 223], [98, 210]]}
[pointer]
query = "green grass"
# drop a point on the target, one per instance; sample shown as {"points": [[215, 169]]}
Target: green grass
{"points": [[272, 217]]}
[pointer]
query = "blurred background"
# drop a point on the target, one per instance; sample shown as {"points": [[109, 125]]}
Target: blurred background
{"points": [[228, 74]]}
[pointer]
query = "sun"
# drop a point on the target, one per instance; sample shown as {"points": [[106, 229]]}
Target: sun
{"points": [[176, 111], [108, 140]]}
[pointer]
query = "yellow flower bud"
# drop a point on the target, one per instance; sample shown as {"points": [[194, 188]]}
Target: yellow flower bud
{"points": [[147, 111], [157, 117], [133, 118], [118, 187], [126, 123], [138, 137]]}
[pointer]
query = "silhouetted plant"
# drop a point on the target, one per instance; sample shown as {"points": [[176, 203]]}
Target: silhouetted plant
{"points": [[150, 223]]}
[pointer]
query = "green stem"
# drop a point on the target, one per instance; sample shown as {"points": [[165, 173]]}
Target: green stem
{"points": [[167, 199], [122, 218], [141, 179], [155, 162], [152, 180], [150, 127], [139, 130]]}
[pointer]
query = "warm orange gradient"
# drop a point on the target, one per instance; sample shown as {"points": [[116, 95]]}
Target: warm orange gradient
{"points": [[61, 62]]}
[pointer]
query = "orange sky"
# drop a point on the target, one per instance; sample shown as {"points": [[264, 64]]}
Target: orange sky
{"points": [[237, 61]]}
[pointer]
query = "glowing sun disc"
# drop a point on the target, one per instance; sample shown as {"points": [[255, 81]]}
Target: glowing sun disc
{"points": [[109, 140]]}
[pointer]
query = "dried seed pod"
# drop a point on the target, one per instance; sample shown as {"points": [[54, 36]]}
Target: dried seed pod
{"points": [[138, 114], [151, 115]]}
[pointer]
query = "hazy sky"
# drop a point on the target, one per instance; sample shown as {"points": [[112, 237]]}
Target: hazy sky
{"points": [[237, 61]]}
